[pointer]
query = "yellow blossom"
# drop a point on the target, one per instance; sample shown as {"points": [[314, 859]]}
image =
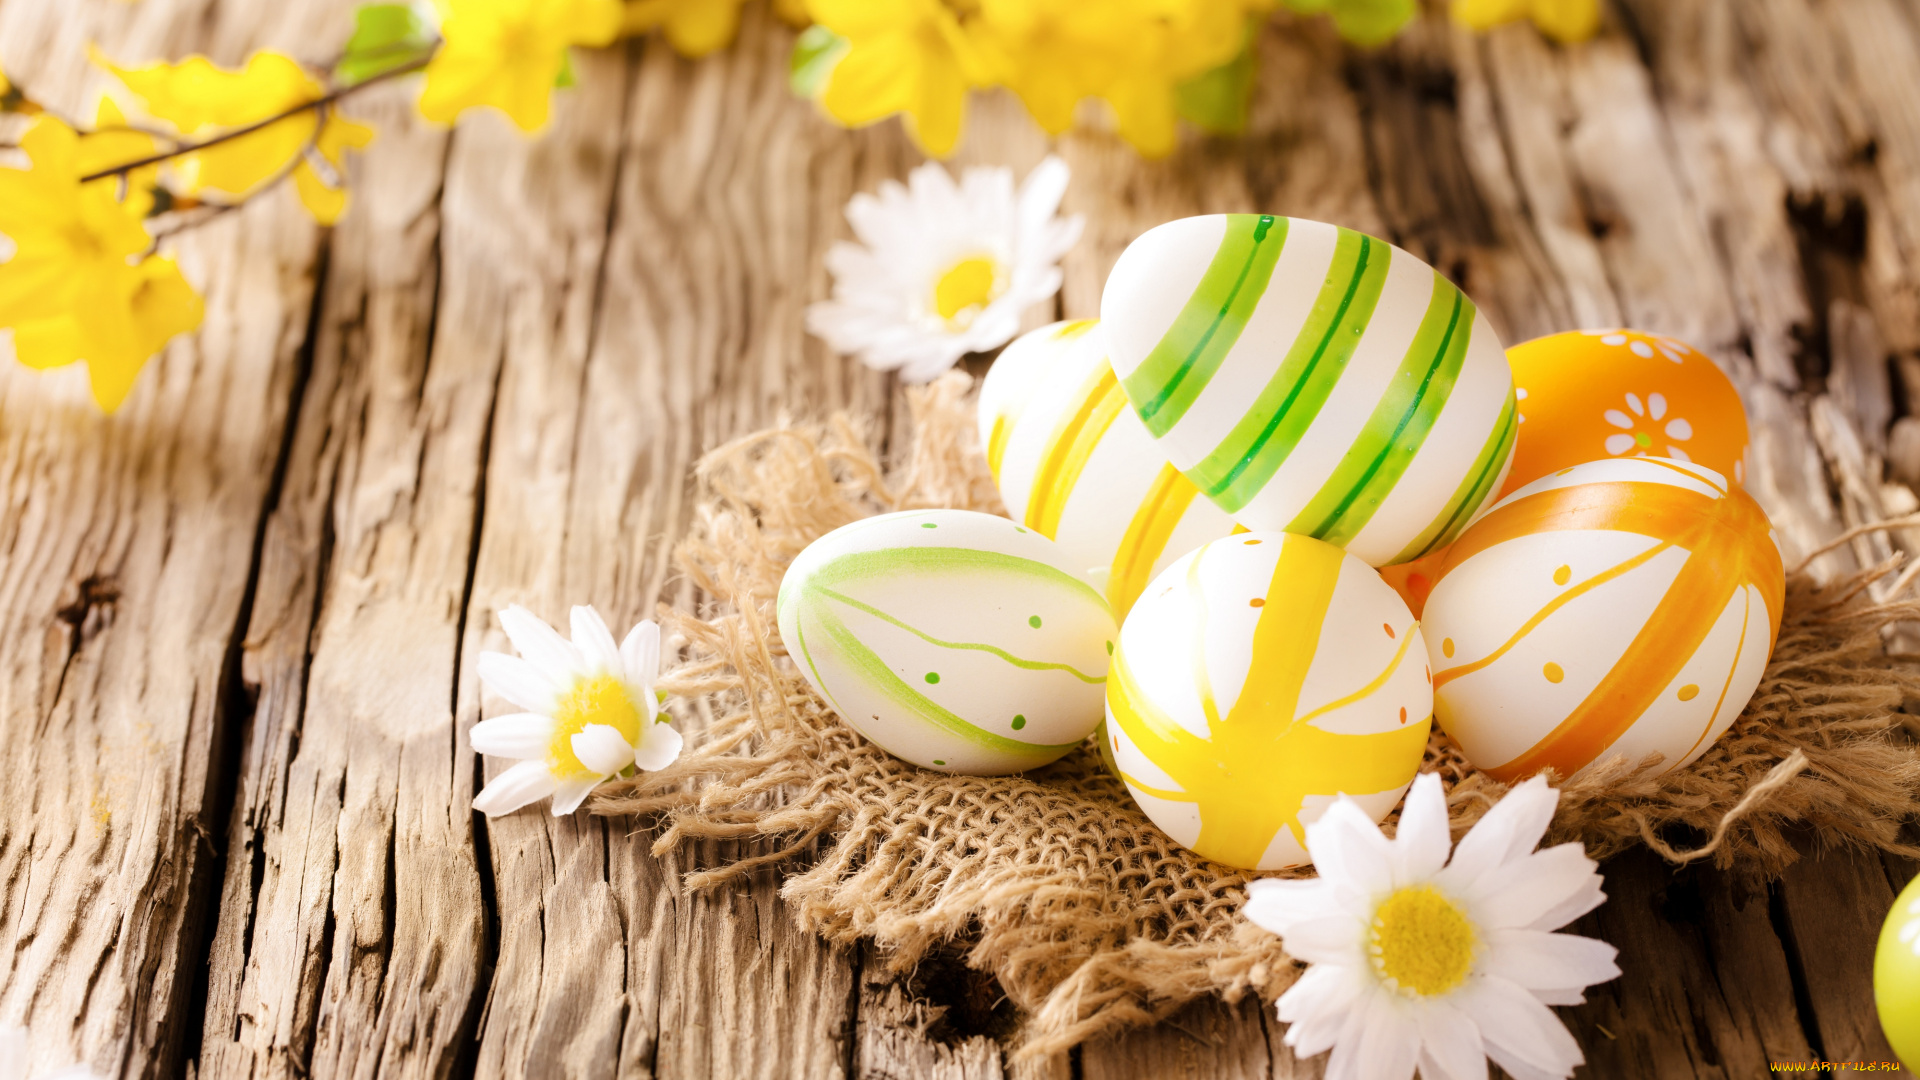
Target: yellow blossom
{"points": [[325, 197], [80, 285], [904, 56], [1565, 21], [694, 27], [201, 99], [509, 53], [112, 143], [1133, 53]]}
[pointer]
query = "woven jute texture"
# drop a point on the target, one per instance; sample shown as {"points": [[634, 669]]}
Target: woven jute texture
{"points": [[1088, 915]]}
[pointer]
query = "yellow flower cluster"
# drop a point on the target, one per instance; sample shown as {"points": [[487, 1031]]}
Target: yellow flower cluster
{"points": [[83, 282], [199, 99], [920, 58], [509, 54], [1565, 21]]}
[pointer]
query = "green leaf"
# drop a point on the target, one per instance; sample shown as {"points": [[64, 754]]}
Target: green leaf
{"points": [[565, 78], [1216, 102], [385, 36], [814, 54], [1368, 23]]}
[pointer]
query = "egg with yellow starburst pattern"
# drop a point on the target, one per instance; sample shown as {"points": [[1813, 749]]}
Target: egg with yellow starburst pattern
{"points": [[1258, 678]]}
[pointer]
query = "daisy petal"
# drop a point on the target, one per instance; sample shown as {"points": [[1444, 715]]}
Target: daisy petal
{"points": [[602, 748], [1316, 1005], [1511, 829], [1520, 891], [659, 745], [526, 736], [1349, 851], [1576, 903], [569, 794], [1521, 1035], [1450, 1046], [1339, 939], [526, 782], [640, 653], [518, 681], [541, 644], [1537, 960], [594, 640], [1421, 844], [1388, 1047], [1274, 904]]}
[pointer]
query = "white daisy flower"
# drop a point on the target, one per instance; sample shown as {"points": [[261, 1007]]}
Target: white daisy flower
{"points": [[945, 269], [591, 712], [1423, 962]]}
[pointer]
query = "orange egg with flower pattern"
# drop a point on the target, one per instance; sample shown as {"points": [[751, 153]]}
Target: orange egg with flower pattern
{"points": [[1617, 608], [1588, 395]]}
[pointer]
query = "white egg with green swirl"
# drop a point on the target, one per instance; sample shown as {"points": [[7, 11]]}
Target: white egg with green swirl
{"points": [[955, 640]]}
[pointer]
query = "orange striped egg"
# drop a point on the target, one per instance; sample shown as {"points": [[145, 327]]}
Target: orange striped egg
{"points": [[1075, 465], [1590, 394], [1258, 678], [1620, 607]]}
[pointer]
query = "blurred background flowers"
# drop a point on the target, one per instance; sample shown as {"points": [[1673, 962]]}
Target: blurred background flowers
{"points": [[88, 206]]}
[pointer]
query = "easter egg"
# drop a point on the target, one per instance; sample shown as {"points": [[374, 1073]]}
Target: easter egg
{"points": [[955, 640], [1896, 975], [1591, 394], [1075, 465], [1258, 678], [1314, 380], [1620, 607]]}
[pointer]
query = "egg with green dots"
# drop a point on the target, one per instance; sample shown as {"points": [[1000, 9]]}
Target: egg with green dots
{"points": [[955, 640]]}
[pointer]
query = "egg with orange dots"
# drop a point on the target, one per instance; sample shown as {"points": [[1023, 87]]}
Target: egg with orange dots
{"points": [[1588, 395], [1624, 607]]}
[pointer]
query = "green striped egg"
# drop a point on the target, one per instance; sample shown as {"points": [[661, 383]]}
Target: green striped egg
{"points": [[954, 640], [1313, 380]]}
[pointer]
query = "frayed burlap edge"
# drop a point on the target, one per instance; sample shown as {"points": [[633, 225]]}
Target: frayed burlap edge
{"points": [[1088, 915]]}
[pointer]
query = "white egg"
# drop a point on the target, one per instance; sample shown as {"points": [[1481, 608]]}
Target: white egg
{"points": [[955, 640], [1076, 465], [1310, 379], [1619, 608], [1259, 677]]}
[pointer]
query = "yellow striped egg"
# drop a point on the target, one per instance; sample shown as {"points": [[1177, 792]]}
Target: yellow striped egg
{"points": [[1621, 607], [1074, 464], [955, 640], [1259, 677], [1314, 380]]}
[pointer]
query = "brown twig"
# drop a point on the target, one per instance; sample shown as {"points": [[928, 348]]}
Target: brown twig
{"points": [[221, 209], [320, 102]]}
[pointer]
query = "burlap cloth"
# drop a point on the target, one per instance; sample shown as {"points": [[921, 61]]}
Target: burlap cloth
{"points": [[1088, 915]]}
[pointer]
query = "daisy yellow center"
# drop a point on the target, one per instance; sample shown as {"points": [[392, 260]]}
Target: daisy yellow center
{"points": [[601, 699], [968, 283], [1422, 941]]}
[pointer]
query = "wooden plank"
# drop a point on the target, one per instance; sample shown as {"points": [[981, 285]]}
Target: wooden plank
{"points": [[351, 648], [727, 191], [1206, 1040], [1832, 907], [124, 584]]}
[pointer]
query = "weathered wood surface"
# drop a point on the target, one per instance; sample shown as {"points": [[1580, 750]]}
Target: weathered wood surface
{"points": [[241, 616]]}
